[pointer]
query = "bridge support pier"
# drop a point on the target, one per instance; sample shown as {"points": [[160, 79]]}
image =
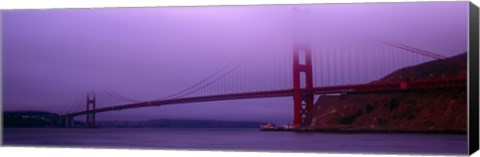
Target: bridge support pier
{"points": [[91, 100], [303, 97]]}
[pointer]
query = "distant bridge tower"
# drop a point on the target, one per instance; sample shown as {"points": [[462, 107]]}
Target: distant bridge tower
{"points": [[302, 83], [91, 100]]}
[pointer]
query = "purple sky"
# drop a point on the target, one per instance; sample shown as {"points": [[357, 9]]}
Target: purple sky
{"points": [[52, 56]]}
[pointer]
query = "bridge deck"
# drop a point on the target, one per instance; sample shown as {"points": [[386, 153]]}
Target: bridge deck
{"points": [[356, 88]]}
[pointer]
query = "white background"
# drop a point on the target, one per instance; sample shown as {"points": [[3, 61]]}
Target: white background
{"points": [[79, 152]]}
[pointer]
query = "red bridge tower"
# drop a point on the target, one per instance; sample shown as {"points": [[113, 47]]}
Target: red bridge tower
{"points": [[91, 100], [302, 83]]}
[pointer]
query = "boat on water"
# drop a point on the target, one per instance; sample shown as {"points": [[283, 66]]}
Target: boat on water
{"points": [[273, 127]]}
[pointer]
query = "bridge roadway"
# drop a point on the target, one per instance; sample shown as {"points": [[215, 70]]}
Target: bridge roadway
{"points": [[373, 87]]}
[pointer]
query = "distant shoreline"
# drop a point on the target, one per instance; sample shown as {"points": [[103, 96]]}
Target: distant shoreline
{"points": [[294, 130]]}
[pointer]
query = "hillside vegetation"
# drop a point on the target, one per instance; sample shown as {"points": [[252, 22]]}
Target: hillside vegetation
{"points": [[410, 111]]}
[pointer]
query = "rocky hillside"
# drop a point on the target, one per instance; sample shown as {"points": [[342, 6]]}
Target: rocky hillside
{"points": [[33, 119], [30, 119], [413, 111], [450, 67]]}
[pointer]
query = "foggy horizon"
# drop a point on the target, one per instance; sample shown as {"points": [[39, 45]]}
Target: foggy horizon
{"points": [[51, 57]]}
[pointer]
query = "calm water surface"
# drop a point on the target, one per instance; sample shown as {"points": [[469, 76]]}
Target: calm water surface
{"points": [[238, 139]]}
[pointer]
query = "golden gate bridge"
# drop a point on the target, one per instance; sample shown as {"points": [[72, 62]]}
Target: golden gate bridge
{"points": [[301, 74]]}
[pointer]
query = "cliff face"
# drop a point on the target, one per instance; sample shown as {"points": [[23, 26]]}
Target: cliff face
{"points": [[412, 111]]}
